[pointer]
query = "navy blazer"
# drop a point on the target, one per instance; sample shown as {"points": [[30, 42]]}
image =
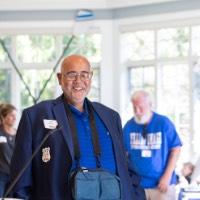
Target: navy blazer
{"points": [[49, 180]]}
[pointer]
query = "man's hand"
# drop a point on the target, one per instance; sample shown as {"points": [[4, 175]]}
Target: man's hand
{"points": [[171, 164], [163, 184]]}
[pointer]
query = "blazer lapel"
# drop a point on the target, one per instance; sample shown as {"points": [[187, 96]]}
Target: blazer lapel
{"points": [[107, 120], [60, 114]]}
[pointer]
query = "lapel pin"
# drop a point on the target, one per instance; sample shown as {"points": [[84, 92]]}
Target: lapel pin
{"points": [[46, 156]]}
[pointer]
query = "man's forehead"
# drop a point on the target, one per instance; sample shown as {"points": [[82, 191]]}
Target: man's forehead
{"points": [[75, 63], [140, 100], [75, 59]]}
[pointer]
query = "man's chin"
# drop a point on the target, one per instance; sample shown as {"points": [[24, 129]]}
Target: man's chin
{"points": [[78, 100], [139, 120], [143, 119]]}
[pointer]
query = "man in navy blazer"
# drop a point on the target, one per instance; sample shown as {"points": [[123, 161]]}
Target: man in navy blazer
{"points": [[46, 178]]}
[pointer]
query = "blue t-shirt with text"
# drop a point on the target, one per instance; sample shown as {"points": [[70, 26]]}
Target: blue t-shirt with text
{"points": [[149, 155]]}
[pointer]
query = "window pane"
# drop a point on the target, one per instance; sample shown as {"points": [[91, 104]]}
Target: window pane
{"points": [[174, 100], [173, 42], [196, 108], [5, 85], [174, 87], [88, 45], [94, 94], [142, 78], [35, 80], [137, 46], [36, 48], [196, 41]]}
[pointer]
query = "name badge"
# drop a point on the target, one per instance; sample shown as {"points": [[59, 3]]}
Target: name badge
{"points": [[50, 124], [3, 139], [146, 153]]}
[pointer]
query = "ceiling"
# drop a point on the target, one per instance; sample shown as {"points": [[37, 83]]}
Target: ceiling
{"points": [[16, 5]]}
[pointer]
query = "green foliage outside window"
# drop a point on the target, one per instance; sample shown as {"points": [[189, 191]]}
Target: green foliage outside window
{"points": [[36, 48], [5, 81], [36, 80], [7, 42]]}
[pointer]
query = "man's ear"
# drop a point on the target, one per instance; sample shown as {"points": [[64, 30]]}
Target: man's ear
{"points": [[59, 77]]}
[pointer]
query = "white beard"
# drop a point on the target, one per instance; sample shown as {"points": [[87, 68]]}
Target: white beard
{"points": [[144, 119]]}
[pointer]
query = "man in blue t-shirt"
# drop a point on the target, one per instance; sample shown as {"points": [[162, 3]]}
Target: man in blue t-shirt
{"points": [[153, 148]]}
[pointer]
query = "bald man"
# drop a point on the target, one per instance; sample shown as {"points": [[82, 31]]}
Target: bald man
{"points": [[46, 178], [153, 147]]}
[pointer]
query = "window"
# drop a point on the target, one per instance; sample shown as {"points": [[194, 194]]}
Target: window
{"points": [[36, 55]]}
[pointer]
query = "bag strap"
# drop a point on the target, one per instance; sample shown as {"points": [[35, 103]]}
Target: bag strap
{"points": [[74, 131], [95, 139]]}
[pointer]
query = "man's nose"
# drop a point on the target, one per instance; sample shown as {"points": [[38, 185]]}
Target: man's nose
{"points": [[78, 77], [137, 111]]}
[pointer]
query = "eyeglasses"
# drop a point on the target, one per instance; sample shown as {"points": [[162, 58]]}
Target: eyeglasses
{"points": [[84, 75]]}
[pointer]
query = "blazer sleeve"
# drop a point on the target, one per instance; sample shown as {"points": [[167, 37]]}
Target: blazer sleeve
{"points": [[22, 153]]}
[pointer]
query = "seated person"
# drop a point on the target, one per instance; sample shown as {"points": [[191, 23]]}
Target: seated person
{"points": [[195, 178], [186, 173], [184, 179]]}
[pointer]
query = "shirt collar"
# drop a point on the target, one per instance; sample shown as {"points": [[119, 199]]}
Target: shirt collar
{"points": [[78, 112]]}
